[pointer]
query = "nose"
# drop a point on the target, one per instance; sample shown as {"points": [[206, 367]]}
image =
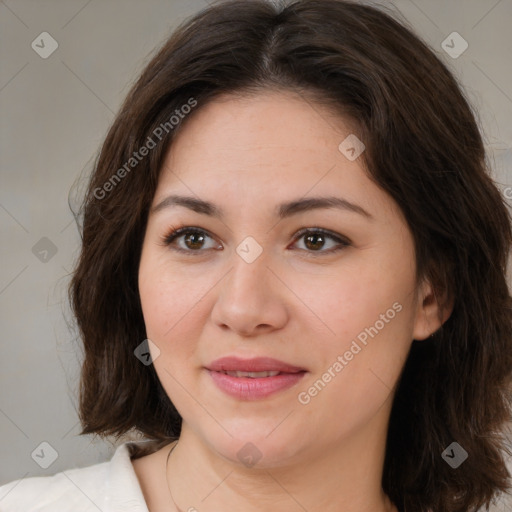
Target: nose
{"points": [[251, 299]]}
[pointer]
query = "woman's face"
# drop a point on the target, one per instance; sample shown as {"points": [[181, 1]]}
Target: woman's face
{"points": [[254, 277]]}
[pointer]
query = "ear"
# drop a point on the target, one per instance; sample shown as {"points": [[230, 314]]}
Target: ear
{"points": [[432, 311]]}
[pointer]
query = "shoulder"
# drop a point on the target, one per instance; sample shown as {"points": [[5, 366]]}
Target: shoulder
{"points": [[81, 488], [106, 486]]}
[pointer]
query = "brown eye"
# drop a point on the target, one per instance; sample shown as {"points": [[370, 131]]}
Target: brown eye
{"points": [[191, 240], [194, 240], [316, 241]]}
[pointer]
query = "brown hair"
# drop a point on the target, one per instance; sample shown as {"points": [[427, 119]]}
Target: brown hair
{"points": [[423, 147]]}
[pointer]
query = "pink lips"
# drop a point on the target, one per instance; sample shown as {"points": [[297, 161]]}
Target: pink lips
{"points": [[257, 387]]}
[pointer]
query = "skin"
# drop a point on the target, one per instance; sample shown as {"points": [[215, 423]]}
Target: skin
{"points": [[297, 303]]}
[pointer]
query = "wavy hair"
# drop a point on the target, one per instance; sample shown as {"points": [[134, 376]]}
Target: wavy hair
{"points": [[423, 148]]}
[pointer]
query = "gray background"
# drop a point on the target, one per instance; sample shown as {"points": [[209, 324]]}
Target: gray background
{"points": [[54, 115]]}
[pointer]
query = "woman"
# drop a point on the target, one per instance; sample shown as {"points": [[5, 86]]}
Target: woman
{"points": [[292, 278]]}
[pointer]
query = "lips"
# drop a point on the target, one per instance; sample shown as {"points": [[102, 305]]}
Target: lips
{"points": [[253, 379]]}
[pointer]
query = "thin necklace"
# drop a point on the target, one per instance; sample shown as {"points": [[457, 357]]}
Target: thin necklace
{"points": [[167, 478]]}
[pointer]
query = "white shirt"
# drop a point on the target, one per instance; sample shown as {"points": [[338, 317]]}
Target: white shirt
{"points": [[110, 486]]}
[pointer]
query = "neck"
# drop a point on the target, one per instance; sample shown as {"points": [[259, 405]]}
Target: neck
{"points": [[343, 476]]}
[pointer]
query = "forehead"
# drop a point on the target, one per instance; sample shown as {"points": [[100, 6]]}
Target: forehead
{"points": [[271, 146], [262, 123]]}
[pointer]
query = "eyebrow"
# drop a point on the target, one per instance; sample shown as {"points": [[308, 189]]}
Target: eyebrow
{"points": [[282, 211]]}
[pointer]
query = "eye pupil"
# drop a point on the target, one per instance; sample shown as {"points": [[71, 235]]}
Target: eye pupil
{"points": [[192, 242], [313, 239]]}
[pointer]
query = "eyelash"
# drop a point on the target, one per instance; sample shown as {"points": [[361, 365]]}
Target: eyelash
{"points": [[179, 231]]}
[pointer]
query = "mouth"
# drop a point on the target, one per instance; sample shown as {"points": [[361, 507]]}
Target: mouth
{"points": [[253, 379], [252, 375]]}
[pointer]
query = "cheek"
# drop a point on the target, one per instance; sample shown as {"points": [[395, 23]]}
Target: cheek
{"points": [[352, 297], [174, 309], [170, 317], [368, 307], [358, 372], [370, 328]]}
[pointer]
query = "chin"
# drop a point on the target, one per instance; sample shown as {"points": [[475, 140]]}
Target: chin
{"points": [[254, 447]]}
